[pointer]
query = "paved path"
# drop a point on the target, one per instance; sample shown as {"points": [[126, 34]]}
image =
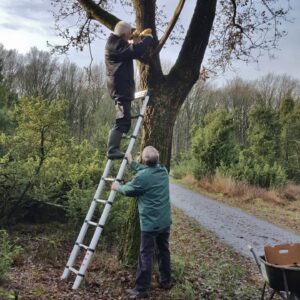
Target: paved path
{"points": [[235, 227]]}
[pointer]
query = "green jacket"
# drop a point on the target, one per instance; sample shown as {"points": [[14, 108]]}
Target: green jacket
{"points": [[151, 187]]}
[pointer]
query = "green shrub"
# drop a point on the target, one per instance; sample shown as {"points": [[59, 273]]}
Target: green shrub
{"points": [[257, 171], [183, 168], [213, 142], [42, 162], [8, 252]]}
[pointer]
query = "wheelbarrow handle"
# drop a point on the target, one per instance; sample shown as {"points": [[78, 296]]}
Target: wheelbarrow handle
{"points": [[255, 257]]}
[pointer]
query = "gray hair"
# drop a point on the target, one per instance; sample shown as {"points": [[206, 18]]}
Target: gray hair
{"points": [[121, 28], [150, 156]]}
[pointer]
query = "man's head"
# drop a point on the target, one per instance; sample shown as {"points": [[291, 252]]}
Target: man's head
{"points": [[123, 30], [150, 156]]}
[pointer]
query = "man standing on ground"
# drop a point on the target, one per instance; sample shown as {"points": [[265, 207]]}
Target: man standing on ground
{"points": [[151, 187], [119, 55]]}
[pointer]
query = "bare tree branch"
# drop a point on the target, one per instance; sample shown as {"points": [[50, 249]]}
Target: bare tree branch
{"points": [[234, 17], [171, 25], [96, 12], [187, 66]]}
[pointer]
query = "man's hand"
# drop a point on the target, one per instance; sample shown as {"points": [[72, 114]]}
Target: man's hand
{"points": [[114, 186], [129, 158], [135, 38]]}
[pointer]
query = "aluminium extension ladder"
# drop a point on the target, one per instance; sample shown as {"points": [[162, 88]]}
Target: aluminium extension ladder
{"points": [[108, 203]]}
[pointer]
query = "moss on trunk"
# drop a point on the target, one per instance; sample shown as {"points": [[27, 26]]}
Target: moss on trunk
{"points": [[130, 241]]}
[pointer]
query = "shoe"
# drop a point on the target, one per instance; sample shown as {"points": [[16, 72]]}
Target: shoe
{"points": [[165, 286], [138, 294], [114, 141]]}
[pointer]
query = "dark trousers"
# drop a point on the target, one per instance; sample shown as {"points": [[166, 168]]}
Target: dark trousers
{"points": [[145, 261], [123, 115]]}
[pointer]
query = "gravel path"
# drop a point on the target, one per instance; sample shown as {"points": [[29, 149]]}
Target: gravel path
{"points": [[237, 228]]}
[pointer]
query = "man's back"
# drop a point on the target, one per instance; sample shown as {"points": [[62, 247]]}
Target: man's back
{"points": [[119, 71], [119, 56], [151, 186], [154, 203]]}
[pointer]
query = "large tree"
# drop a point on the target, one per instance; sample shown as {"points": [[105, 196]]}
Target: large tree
{"points": [[239, 29]]}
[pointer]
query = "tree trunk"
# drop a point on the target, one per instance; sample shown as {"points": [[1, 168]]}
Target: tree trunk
{"points": [[130, 241], [157, 131], [168, 92]]}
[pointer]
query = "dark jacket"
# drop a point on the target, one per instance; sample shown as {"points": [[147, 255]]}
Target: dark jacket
{"points": [[151, 186], [119, 56]]}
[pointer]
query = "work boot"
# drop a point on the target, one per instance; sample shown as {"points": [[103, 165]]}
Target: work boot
{"points": [[137, 294], [113, 147]]}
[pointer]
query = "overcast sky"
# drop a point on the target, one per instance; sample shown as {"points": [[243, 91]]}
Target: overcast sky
{"points": [[28, 23]]}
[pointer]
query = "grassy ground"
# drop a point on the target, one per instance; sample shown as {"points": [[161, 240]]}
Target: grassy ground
{"points": [[203, 268], [278, 206]]}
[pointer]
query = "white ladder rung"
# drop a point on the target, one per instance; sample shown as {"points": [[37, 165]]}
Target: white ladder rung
{"points": [[92, 223], [140, 94], [109, 179], [101, 201], [125, 136], [83, 246], [73, 270]]}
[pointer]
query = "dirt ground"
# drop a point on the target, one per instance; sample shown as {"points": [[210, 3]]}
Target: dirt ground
{"points": [[202, 266]]}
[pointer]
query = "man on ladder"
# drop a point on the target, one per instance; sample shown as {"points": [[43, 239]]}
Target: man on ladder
{"points": [[151, 186], [119, 55]]}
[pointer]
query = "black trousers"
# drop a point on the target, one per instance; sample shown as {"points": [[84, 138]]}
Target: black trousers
{"points": [[123, 115], [145, 261]]}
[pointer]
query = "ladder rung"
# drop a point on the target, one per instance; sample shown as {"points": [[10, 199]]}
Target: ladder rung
{"points": [[137, 116], [73, 270], [140, 94], [129, 136], [109, 179], [83, 246], [100, 201], [92, 223]]}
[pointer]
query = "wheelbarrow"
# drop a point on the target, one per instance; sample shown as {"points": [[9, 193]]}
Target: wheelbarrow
{"points": [[280, 269]]}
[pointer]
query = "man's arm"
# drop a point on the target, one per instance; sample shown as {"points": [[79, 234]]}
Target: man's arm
{"points": [[134, 51], [134, 165], [132, 188]]}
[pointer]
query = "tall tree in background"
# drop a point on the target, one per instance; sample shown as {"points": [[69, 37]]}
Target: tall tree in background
{"points": [[242, 30], [290, 137]]}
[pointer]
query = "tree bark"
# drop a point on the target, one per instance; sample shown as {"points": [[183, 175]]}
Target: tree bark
{"points": [[130, 241]]}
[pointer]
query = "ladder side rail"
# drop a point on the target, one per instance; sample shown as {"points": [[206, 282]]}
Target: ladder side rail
{"points": [[99, 229], [85, 225]]}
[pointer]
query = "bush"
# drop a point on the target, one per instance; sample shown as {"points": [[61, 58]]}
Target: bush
{"points": [[183, 168], [213, 143], [8, 252], [42, 162], [257, 171]]}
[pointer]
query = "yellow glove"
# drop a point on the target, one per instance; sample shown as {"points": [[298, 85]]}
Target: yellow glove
{"points": [[146, 32], [135, 38]]}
